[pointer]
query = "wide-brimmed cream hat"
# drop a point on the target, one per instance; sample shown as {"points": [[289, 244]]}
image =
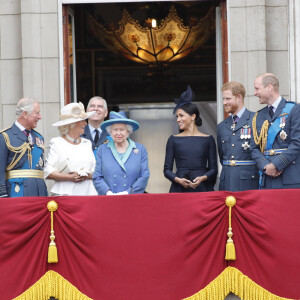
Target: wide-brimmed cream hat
{"points": [[71, 113]]}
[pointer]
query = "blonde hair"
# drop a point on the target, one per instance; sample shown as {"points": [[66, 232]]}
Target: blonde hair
{"points": [[64, 129]]}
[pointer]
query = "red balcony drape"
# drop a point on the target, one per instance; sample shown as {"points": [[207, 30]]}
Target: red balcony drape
{"points": [[151, 246]]}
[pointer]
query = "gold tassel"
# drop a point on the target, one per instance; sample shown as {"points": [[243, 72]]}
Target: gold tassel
{"points": [[52, 250], [230, 249]]}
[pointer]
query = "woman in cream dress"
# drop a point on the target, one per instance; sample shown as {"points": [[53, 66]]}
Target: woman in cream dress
{"points": [[71, 161]]}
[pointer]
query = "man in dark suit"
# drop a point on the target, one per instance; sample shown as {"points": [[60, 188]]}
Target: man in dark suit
{"points": [[239, 171], [275, 146], [93, 131], [22, 154]]}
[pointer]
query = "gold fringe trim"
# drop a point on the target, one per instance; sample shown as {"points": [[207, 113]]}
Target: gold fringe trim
{"points": [[231, 280], [52, 285]]}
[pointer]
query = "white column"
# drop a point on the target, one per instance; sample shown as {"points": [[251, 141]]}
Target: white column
{"points": [[294, 49]]}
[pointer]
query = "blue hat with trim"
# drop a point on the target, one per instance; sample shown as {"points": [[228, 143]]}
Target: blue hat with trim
{"points": [[185, 98], [119, 118]]}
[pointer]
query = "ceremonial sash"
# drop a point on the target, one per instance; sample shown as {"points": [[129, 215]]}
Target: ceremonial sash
{"points": [[275, 128], [273, 131], [17, 188]]}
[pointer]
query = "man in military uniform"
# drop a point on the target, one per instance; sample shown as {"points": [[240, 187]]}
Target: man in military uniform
{"points": [[275, 145], [239, 171], [93, 131], [22, 154]]}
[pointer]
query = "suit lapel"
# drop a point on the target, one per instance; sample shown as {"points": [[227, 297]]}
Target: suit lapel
{"points": [[18, 133], [279, 109], [244, 118], [228, 122], [102, 138]]}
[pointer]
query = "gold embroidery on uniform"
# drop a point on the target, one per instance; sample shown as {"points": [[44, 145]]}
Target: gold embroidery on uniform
{"points": [[262, 139], [21, 150]]}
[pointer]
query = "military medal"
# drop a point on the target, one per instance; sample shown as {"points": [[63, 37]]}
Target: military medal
{"points": [[245, 146], [39, 142], [41, 162], [233, 126], [249, 133], [30, 140], [283, 135], [17, 188], [242, 134]]}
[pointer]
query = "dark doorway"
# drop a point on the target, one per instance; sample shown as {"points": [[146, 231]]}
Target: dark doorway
{"points": [[101, 72]]}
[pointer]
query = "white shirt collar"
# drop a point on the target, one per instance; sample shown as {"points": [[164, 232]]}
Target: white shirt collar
{"points": [[92, 129], [240, 113], [21, 127], [276, 103]]}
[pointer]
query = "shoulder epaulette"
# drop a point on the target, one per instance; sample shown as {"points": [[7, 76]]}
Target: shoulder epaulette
{"points": [[5, 129]]}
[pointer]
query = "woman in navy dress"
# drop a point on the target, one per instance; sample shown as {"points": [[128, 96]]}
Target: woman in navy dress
{"points": [[193, 151]]}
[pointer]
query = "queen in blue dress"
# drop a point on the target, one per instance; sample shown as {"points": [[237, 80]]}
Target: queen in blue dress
{"points": [[193, 151], [121, 164]]}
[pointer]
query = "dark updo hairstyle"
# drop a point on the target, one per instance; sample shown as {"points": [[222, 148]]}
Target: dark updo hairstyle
{"points": [[191, 108]]}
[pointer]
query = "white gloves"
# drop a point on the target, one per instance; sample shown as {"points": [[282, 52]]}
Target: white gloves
{"points": [[122, 193], [110, 193]]}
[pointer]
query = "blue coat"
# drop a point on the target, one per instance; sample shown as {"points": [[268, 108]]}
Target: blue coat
{"points": [[30, 186], [231, 146], [287, 161], [111, 173], [102, 138]]}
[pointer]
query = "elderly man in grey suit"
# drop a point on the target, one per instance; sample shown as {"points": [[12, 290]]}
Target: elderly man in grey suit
{"points": [[93, 131], [275, 146], [239, 171]]}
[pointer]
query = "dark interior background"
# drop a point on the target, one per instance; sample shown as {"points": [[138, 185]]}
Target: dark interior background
{"points": [[120, 81]]}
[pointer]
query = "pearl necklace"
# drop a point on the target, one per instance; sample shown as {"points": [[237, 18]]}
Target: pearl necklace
{"points": [[75, 141]]}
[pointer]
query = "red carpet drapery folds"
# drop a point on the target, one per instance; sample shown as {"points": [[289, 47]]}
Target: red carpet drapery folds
{"points": [[151, 246]]}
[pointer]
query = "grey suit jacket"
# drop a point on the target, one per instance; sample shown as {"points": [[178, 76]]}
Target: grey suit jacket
{"points": [[102, 138]]}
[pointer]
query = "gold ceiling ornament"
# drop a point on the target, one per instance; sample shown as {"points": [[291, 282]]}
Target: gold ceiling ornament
{"points": [[159, 42]]}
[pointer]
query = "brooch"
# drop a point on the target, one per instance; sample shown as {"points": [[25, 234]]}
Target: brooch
{"points": [[136, 151]]}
